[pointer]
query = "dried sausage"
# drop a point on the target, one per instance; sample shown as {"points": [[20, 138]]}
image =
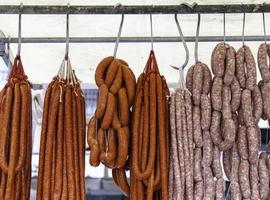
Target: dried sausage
{"points": [[196, 126], [189, 78], [216, 93], [101, 69], [111, 72], [240, 67], [218, 58], [102, 101], [197, 83], [117, 82], [198, 165], [257, 104], [262, 58], [207, 149], [230, 66], [122, 150], [226, 106], [263, 176], [242, 142], [205, 112], [123, 107], [254, 182], [246, 104], [108, 116], [250, 69], [236, 95], [244, 179], [130, 83], [265, 90], [229, 135], [216, 165], [207, 79], [253, 144]]}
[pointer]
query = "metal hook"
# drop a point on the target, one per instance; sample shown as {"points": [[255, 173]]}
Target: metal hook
{"points": [[243, 29], [67, 32], [151, 29], [20, 30], [184, 44], [118, 36], [197, 38], [224, 24], [264, 29]]}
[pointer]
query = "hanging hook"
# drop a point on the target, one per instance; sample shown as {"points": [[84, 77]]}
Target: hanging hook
{"points": [[197, 38], [243, 28], [264, 30], [184, 44], [224, 24], [67, 33], [151, 29], [118, 36], [20, 30]]}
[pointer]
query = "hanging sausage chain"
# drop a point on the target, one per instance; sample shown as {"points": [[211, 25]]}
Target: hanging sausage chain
{"points": [[15, 138], [62, 146], [150, 135], [109, 129]]}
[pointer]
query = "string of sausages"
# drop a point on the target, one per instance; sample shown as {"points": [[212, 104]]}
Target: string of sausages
{"points": [[62, 146], [108, 134], [150, 136], [15, 137]]}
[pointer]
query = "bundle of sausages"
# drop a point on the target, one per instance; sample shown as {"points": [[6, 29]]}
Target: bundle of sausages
{"points": [[181, 153], [15, 138], [150, 135], [109, 129], [264, 84], [62, 145]]}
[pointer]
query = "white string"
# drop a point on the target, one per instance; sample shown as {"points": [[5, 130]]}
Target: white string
{"points": [[67, 32]]}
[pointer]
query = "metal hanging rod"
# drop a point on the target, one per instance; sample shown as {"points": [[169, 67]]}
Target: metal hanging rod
{"points": [[132, 39], [145, 9]]}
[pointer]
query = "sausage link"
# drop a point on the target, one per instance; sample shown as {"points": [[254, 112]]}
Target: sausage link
{"points": [[111, 72], [101, 69], [229, 135], [94, 155], [189, 78], [207, 149], [108, 116], [102, 145], [92, 132], [226, 105], [244, 179], [236, 95], [197, 83], [196, 126], [123, 107], [215, 130], [207, 79], [122, 150], [220, 189], [216, 165], [102, 101], [177, 193], [205, 112], [216, 93], [122, 181], [253, 144], [262, 58], [263, 176], [179, 128], [242, 142], [162, 139], [265, 90], [227, 163], [246, 104], [240, 67], [218, 59], [209, 191], [198, 165], [69, 142], [257, 104], [49, 142], [250, 69], [117, 82], [254, 182], [130, 83], [198, 190], [230, 66], [112, 147], [59, 153]]}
